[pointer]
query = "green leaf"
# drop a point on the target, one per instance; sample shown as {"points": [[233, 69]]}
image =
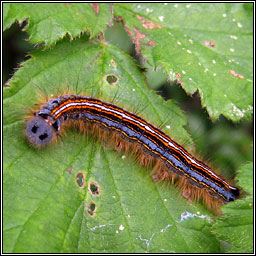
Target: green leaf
{"points": [[50, 22], [236, 226], [208, 47], [44, 208]]}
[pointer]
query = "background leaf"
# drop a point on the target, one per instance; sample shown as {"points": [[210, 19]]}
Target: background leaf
{"points": [[236, 227], [48, 23], [45, 210], [177, 37]]}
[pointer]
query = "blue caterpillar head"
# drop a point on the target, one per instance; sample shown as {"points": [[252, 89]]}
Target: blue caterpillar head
{"points": [[42, 128], [39, 132]]}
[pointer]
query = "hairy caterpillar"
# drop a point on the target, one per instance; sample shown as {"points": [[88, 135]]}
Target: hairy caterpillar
{"points": [[130, 132]]}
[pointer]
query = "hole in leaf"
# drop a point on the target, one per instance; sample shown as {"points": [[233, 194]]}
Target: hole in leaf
{"points": [[80, 179], [91, 208], [94, 188], [111, 79]]}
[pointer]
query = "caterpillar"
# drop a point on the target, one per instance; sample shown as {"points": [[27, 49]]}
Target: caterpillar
{"points": [[127, 131]]}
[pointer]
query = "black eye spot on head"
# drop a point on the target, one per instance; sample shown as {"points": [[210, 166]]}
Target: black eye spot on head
{"points": [[44, 116], [43, 136], [39, 132], [34, 129]]}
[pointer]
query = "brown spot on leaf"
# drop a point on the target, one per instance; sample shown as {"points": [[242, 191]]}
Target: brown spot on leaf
{"points": [[70, 169], [138, 36], [210, 43], [178, 75], [113, 63], [233, 73], [148, 24], [7, 84], [129, 32], [96, 7], [152, 43]]}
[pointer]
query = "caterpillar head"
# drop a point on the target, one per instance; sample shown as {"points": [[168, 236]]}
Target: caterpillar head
{"points": [[41, 129]]}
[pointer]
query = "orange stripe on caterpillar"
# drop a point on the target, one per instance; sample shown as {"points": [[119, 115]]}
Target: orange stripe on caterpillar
{"points": [[175, 160]]}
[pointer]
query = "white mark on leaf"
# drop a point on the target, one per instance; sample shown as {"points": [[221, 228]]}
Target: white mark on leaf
{"points": [[233, 37], [239, 112], [168, 226], [240, 25], [172, 75], [101, 226], [161, 18], [121, 227], [188, 215], [147, 241]]}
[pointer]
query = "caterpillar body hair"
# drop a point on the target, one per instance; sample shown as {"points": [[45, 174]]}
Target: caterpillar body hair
{"points": [[124, 130]]}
